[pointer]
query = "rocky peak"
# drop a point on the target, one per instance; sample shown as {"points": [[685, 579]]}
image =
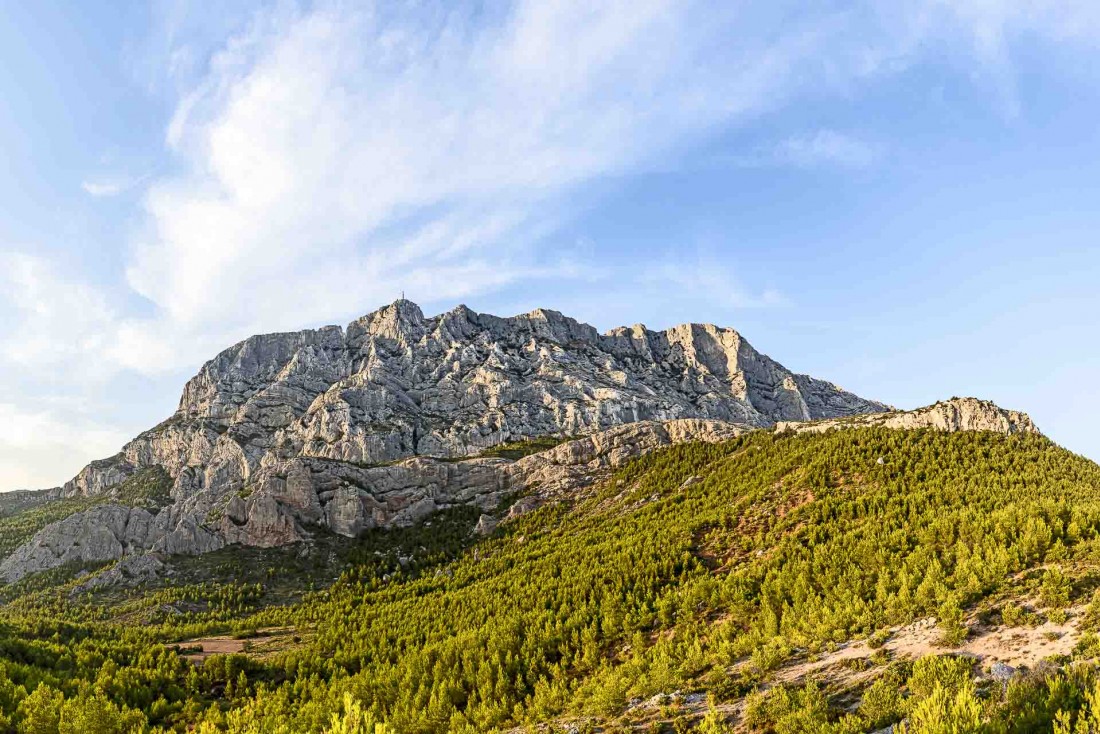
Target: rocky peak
{"points": [[397, 384], [228, 381], [359, 428], [556, 327], [401, 322]]}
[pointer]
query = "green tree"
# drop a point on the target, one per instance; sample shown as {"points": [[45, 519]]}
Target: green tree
{"points": [[40, 712]]}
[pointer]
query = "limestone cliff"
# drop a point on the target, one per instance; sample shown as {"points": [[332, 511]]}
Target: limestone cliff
{"points": [[395, 384], [347, 428]]}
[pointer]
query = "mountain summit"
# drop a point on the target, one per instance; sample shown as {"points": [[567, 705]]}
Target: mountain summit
{"points": [[348, 429], [396, 384]]}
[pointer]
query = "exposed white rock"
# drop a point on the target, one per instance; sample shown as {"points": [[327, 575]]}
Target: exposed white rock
{"points": [[360, 428], [396, 384], [334, 427], [287, 497], [356, 499], [96, 535], [129, 571], [486, 524], [956, 414]]}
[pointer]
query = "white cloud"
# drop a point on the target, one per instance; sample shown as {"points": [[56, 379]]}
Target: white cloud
{"points": [[332, 158], [51, 320], [103, 188], [110, 185], [56, 335], [991, 27], [335, 157], [822, 148], [703, 278]]}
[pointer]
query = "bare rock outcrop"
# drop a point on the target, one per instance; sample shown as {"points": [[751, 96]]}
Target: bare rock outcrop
{"points": [[574, 463], [380, 425], [956, 414], [129, 571], [100, 534], [287, 500], [486, 524], [349, 499]]}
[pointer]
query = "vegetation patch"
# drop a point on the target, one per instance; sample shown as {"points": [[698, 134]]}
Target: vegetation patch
{"points": [[611, 612], [515, 450]]}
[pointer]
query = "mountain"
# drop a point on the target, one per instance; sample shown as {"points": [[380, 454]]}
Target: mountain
{"points": [[286, 432], [470, 524], [395, 384], [956, 414]]}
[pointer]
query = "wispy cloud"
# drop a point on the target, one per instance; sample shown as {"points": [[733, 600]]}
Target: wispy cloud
{"points": [[39, 446], [52, 320], [111, 186], [822, 148], [991, 27], [703, 278], [330, 158], [338, 156]]}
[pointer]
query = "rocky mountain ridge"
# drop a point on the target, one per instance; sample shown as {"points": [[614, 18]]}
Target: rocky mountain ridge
{"points": [[396, 384], [349, 500], [380, 425]]}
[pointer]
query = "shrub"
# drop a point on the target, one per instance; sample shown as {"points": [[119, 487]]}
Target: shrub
{"points": [[938, 671], [952, 628], [882, 703], [1055, 588]]}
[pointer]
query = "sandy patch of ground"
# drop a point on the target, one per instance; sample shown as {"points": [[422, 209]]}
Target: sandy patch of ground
{"points": [[1014, 646], [199, 650]]}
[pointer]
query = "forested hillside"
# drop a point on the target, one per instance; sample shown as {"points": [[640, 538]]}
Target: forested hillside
{"points": [[680, 594]]}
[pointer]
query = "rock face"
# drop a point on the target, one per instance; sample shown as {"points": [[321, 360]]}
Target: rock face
{"points": [[395, 384], [956, 414], [350, 429], [379, 425], [105, 533], [130, 571], [289, 498], [277, 410], [349, 499]]}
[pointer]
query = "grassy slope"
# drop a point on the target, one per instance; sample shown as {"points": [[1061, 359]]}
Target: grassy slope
{"points": [[698, 567], [779, 542]]}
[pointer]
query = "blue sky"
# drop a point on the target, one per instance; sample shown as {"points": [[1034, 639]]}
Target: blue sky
{"points": [[899, 197]]}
